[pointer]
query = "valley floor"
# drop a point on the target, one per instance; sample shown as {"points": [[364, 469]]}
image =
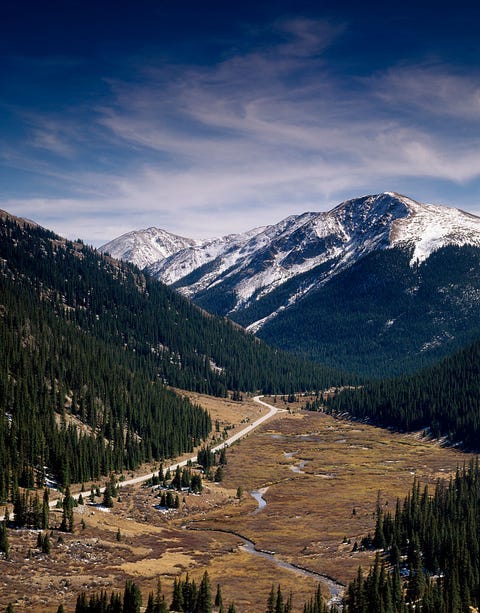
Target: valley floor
{"points": [[320, 478]]}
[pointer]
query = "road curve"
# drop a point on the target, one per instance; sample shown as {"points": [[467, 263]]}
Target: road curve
{"points": [[227, 443], [135, 480]]}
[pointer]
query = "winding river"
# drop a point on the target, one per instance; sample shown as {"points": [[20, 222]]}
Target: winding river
{"points": [[336, 589], [258, 495]]}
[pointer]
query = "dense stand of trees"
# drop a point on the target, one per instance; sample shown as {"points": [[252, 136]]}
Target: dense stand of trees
{"points": [[87, 346], [381, 316], [444, 399], [69, 399], [117, 303], [431, 559], [54, 378]]}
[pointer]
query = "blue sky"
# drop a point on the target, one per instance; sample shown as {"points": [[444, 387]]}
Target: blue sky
{"points": [[207, 118]]}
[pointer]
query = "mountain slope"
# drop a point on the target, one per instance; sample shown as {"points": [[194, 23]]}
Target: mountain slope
{"points": [[383, 316], [252, 265], [291, 283], [87, 345], [444, 398], [142, 247]]}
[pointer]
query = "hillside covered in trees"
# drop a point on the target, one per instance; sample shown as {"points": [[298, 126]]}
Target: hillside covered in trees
{"points": [[382, 317], [87, 347], [433, 541], [443, 399]]}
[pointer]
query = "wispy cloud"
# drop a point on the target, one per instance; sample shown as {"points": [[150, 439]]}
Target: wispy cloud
{"points": [[431, 88], [262, 134]]}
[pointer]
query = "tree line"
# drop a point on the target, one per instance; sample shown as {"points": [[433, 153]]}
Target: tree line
{"points": [[187, 597], [88, 346], [443, 400], [430, 552], [382, 316]]}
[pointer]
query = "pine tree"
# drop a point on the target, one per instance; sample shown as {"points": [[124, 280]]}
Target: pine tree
{"points": [[46, 544], [132, 598], [218, 597], [177, 597], [67, 515], [279, 607], [271, 601], [45, 509], [150, 604], [4, 545], [204, 598]]}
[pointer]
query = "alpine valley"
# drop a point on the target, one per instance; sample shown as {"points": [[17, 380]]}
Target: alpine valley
{"points": [[379, 285], [136, 461]]}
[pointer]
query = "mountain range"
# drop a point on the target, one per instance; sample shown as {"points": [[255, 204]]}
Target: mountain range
{"points": [[360, 274]]}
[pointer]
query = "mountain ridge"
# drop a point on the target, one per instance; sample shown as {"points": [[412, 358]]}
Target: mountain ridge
{"points": [[253, 264], [391, 277]]}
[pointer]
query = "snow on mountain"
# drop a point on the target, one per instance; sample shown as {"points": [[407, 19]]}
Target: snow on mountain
{"points": [[186, 260], [247, 267], [143, 247], [430, 227]]}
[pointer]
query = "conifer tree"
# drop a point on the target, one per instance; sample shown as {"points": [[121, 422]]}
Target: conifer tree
{"points": [[271, 601], [204, 598], [177, 597], [218, 596], [132, 598], [45, 509], [279, 607], [67, 515], [4, 545]]}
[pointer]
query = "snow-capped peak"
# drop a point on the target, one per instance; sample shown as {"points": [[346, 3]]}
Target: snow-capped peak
{"points": [[143, 247], [430, 227], [304, 250]]}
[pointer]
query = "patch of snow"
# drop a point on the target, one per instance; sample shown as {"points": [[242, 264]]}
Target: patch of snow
{"points": [[430, 227]]}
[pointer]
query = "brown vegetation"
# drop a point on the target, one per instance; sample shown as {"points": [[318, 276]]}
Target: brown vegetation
{"points": [[324, 476]]}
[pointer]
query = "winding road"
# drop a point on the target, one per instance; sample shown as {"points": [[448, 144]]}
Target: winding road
{"points": [[227, 443], [336, 589]]}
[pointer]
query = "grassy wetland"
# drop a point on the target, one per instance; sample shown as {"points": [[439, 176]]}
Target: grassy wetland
{"points": [[321, 479]]}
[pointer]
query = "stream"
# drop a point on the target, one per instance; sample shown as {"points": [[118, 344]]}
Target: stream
{"points": [[336, 589], [258, 495]]}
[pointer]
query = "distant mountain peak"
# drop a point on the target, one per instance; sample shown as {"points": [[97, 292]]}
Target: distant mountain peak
{"points": [[143, 247], [299, 254]]}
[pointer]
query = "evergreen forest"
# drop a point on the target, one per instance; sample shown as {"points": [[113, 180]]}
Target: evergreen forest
{"points": [[88, 346], [443, 400], [187, 597], [382, 316], [430, 559]]}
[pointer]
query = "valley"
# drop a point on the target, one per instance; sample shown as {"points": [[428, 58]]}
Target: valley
{"points": [[320, 478], [97, 357]]}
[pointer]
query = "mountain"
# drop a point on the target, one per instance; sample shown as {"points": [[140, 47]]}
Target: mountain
{"points": [[291, 283], [88, 346], [142, 247]]}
